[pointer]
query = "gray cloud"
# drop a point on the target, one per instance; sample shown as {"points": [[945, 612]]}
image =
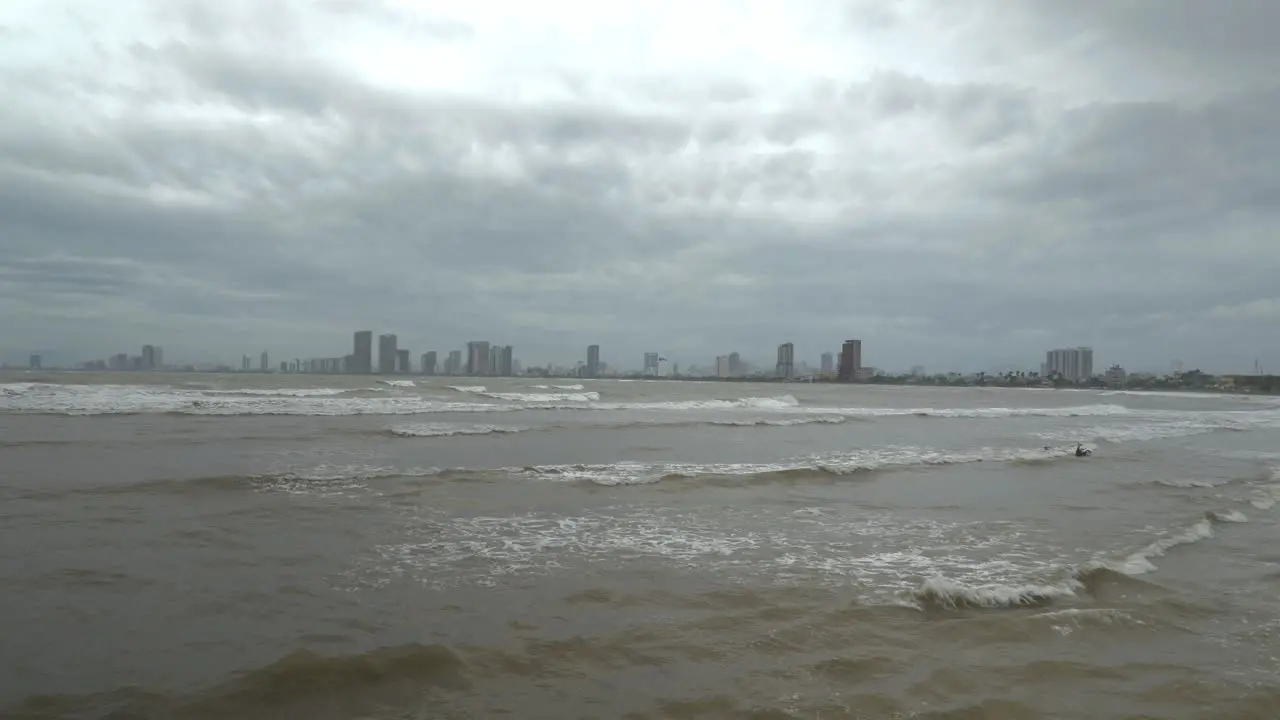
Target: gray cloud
{"points": [[236, 176]]}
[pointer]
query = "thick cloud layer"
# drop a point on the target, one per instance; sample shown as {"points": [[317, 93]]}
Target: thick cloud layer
{"points": [[962, 187]]}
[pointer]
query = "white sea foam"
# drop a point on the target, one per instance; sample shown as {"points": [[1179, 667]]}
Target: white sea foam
{"points": [[1140, 562], [331, 480], [98, 399], [944, 592], [839, 463], [468, 388], [1160, 424], [1189, 483], [988, 412], [448, 430], [783, 422], [557, 387], [582, 397], [1265, 496], [399, 383], [1227, 516], [280, 392], [881, 555]]}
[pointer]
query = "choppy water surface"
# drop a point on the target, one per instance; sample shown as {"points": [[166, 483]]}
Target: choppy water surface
{"points": [[305, 547]]}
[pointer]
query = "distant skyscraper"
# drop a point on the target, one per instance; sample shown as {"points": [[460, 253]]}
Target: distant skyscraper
{"points": [[453, 365], [506, 361], [850, 360], [1074, 364], [387, 354], [651, 360], [35, 362], [429, 363], [478, 358], [262, 362], [593, 361], [723, 366], [786, 360], [149, 359], [402, 361], [735, 364], [362, 353], [495, 359], [828, 363]]}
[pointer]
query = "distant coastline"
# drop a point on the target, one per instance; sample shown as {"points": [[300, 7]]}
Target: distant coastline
{"points": [[1187, 382]]}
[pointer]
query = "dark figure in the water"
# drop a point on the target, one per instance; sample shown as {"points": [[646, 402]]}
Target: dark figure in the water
{"points": [[1082, 452]]}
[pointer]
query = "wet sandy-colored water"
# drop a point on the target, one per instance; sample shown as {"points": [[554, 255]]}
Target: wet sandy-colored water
{"points": [[188, 546]]}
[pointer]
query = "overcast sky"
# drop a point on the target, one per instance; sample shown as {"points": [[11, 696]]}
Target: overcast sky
{"points": [[960, 184]]}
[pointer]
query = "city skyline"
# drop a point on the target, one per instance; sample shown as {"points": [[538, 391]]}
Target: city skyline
{"points": [[960, 185], [486, 359]]}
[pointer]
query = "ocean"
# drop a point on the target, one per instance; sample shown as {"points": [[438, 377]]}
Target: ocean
{"points": [[299, 546]]}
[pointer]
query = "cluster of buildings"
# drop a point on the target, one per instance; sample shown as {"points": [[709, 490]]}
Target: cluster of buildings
{"points": [[482, 359], [844, 365], [151, 358]]}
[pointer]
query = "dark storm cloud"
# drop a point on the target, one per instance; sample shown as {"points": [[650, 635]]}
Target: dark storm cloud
{"points": [[232, 170]]}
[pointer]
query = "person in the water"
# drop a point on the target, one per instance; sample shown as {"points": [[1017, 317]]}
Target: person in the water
{"points": [[1081, 451]]}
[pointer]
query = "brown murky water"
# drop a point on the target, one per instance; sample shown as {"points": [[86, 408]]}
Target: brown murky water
{"points": [[311, 547]]}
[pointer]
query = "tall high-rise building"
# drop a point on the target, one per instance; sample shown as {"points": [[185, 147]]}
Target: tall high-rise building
{"points": [[1073, 364], [362, 353], [495, 359], [735, 364], [453, 364], [263, 365], [387, 354], [850, 360], [593, 361], [786, 360], [723, 366], [651, 360], [429, 363], [828, 363], [150, 357], [506, 361], [478, 358], [35, 362], [402, 361]]}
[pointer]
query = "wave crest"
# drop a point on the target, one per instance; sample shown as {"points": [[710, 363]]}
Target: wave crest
{"points": [[942, 593], [447, 430]]}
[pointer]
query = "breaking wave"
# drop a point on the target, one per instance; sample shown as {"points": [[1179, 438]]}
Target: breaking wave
{"points": [[939, 592], [1140, 562], [281, 392], [845, 463], [447, 430], [582, 397]]}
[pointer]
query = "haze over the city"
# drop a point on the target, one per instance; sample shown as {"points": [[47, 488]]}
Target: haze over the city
{"points": [[960, 185]]}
